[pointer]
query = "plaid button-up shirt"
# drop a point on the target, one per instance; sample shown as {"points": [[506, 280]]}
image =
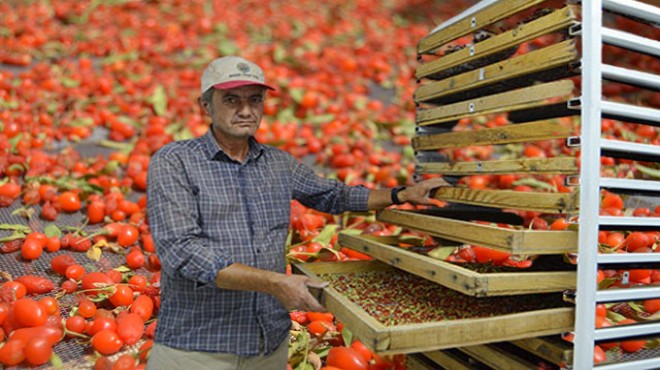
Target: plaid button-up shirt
{"points": [[207, 211]]}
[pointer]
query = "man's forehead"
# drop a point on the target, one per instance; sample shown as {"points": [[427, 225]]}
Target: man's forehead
{"points": [[244, 91]]}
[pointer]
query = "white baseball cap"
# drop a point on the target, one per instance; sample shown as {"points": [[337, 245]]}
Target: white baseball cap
{"points": [[230, 72]]}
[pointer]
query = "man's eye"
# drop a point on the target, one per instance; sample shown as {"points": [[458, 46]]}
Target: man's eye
{"points": [[257, 100], [230, 100]]}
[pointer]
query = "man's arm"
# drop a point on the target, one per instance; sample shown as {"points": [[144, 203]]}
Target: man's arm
{"points": [[415, 194], [291, 290], [174, 222]]}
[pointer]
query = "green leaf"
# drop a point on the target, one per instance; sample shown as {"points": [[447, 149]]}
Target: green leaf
{"points": [[52, 230], [16, 227], [122, 268], [534, 183], [351, 231], [648, 171], [321, 118], [613, 316], [81, 122], [227, 47], [296, 94], [15, 235], [636, 307], [347, 336], [94, 253], [158, 100], [326, 234], [56, 361], [184, 134], [441, 253], [70, 82]]}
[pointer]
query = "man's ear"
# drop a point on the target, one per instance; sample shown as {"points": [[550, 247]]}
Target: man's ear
{"points": [[204, 106]]}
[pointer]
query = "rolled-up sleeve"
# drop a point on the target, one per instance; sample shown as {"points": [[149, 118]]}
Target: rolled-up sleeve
{"points": [[327, 195], [174, 221]]}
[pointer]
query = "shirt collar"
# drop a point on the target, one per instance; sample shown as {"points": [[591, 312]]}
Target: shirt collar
{"points": [[213, 150]]}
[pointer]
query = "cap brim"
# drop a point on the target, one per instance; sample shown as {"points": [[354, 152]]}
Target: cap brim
{"points": [[235, 84]]}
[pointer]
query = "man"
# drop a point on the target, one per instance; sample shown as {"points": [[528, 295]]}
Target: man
{"points": [[219, 210]]}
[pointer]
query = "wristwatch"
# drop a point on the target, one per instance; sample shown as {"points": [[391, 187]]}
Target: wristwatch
{"points": [[395, 194]]}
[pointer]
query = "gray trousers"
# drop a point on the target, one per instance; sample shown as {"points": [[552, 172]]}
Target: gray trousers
{"points": [[167, 358]]}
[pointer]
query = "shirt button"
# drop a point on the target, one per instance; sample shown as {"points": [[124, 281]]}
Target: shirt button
{"points": [[258, 250]]}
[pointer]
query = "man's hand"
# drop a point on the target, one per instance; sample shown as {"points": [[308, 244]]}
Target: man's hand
{"points": [[293, 292], [420, 193]]}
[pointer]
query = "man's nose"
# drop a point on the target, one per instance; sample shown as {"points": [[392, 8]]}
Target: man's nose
{"points": [[244, 109]]}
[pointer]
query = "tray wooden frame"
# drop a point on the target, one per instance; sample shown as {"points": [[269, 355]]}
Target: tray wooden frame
{"points": [[454, 276], [557, 20], [514, 241], [558, 165], [423, 337], [511, 199], [489, 15], [517, 133], [536, 61], [447, 360], [555, 351], [497, 358], [525, 98]]}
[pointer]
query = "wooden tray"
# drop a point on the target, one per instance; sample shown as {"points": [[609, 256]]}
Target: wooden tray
{"points": [[510, 240], [486, 16], [420, 337], [511, 199], [550, 348], [447, 359], [518, 133], [535, 62], [525, 98], [497, 358], [557, 20], [455, 276], [560, 165]]}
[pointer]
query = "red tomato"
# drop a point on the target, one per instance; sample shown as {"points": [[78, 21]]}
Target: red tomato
{"points": [[12, 353], [95, 280], [123, 295], [69, 201], [364, 351], [320, 327], [28, 312], [86, 308], [488, 254], [14, 287], [321, 316], [102, 323], [31, 249], [633, 345], [636, 240], [36, 284], [75, 324], [60, 263], [599, 355], [611, 200], [652, 305], [96, 212], [128, 235], [106, 342], [130, 327], [38, 351], [143, 306], [49, 304], [346, 358]]}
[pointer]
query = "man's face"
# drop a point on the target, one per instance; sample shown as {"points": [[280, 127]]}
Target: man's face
{"points": [[236, 113]]}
